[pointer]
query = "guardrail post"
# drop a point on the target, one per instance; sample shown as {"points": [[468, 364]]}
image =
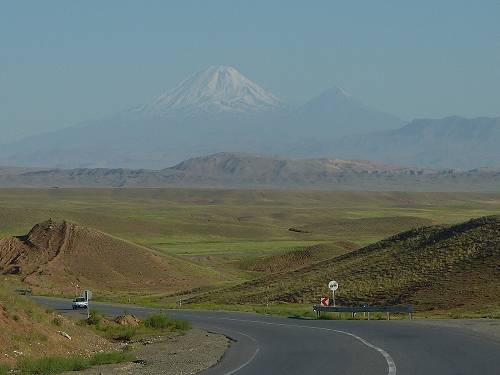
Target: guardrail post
{"points": [[367, 310]]}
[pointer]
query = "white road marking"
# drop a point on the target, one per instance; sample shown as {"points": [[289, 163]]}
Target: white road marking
{"points": [[251, 358], [391, 365]]}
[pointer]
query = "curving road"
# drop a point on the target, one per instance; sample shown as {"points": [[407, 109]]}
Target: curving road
{"points": [[276, 345]]}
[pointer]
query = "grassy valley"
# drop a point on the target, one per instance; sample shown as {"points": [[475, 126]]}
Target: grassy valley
{"points": [[201, 240]]}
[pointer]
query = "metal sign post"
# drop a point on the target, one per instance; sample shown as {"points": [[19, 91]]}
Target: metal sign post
{"points": [[88, 296], [333, 286]]}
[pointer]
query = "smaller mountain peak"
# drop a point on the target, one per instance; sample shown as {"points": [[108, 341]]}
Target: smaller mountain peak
{"points": [[336, 91]]}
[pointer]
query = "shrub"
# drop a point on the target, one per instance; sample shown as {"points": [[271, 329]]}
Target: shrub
{"points": [[158, 321], [163, 322], [121, 333], [95, 318], [52, 365], [182, 325], [4, 369]]}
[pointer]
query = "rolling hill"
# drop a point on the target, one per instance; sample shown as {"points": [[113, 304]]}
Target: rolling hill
{"points": [[435, 267], [56, 256], [234, 170]]}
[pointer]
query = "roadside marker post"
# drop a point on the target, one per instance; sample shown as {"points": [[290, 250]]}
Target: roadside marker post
{"points": [[88, 296]]}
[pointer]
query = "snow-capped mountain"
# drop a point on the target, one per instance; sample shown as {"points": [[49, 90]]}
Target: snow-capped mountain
{"points": [[218, 89], [215, 110]]}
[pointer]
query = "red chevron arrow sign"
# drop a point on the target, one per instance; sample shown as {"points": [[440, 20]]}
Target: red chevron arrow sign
{"points": [[325, 301]]}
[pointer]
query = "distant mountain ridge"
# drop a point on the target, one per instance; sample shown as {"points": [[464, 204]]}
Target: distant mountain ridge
{"points": [[219, 109], [230, 170], [451, 142], [212, 111]]}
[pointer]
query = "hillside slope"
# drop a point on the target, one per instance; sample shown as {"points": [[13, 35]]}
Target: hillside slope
{"points": [[27, 328], [55, 256], [441, 267]]}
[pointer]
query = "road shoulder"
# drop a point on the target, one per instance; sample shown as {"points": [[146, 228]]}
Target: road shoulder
{"points": [[178, 354]]}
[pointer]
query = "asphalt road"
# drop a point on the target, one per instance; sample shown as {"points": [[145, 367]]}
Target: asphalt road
{"points": [[277, 345]]}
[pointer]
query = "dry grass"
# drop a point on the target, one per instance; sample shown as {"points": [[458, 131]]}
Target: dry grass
{"points": [[28, 329]]}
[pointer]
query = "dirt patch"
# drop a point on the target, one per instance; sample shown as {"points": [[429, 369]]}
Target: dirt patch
{"points": [[169, 355], [127, 320]]}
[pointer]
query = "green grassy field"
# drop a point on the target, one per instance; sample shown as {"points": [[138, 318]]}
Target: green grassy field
{"points": [[223, 229]]}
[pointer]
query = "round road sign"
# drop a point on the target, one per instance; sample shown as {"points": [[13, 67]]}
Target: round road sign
{"points": [[333, 285]]}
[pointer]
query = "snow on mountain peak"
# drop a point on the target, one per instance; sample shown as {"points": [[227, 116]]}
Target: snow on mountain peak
{"points": [[217, 89]]}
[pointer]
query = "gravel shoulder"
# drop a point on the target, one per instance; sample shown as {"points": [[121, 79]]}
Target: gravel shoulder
{"points": [[190, 353]]}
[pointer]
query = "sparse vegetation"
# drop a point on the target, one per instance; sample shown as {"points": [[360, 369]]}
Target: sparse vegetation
{"points": [[27, 328], [57, 321], [156, 323], [297, 258], [164, 322], [57, 365]]}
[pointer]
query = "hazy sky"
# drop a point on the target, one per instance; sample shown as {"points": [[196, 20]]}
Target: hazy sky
{"points": [[62, 62]]}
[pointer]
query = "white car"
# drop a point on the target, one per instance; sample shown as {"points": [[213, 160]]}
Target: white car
{"points": [[80, 303]]}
